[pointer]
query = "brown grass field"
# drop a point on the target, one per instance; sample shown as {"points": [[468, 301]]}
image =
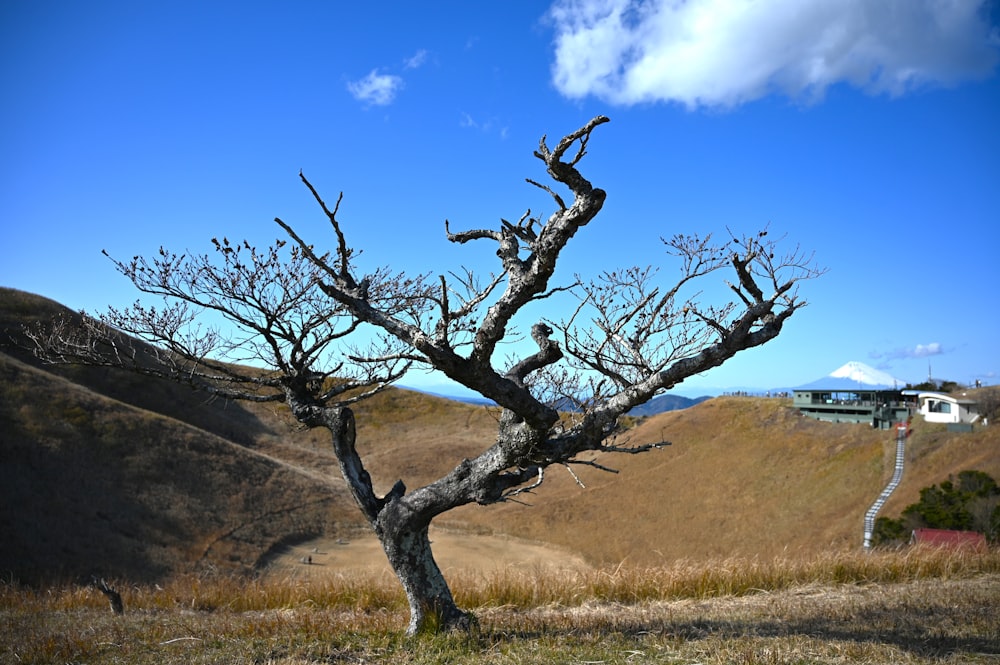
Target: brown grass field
{"points": [[456, 552], [919, 606], [738, 543]]}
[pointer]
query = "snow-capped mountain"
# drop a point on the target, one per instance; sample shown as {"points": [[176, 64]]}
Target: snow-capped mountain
{"points": [[855, 375]]}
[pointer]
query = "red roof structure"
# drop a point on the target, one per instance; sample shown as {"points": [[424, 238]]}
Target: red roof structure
{"points": [[948, 538]]}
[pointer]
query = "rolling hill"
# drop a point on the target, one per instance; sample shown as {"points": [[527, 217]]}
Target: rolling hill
{"points": [[743, 477], [109, 473], [106, 472]]}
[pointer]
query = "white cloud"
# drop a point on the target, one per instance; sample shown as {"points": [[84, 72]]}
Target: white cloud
{"points": [[924, 350], [488, 126], [918, 351], [416, 60], [727, 52], [377, 89], [468, 121]]}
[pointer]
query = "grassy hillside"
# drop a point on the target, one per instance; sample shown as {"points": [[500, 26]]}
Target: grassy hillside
{"points": [[933, 454], [231, 421], [92, 484], [112, 473], [743, 477]]}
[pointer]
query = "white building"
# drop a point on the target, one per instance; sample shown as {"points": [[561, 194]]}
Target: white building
{"points": [[942, 408]]}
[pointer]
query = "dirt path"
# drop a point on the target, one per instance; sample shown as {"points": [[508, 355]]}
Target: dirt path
{"points": [[452, 550]]}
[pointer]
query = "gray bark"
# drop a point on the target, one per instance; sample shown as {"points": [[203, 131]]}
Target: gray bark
{"points": [[401, 522], [404, 539]]}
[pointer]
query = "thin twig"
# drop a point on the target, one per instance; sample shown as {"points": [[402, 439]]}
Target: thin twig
{"points": [[181, 639], [575, 477]]}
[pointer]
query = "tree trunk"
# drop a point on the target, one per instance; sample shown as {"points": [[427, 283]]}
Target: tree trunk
{"points": [[408, 548], [401, 527]]}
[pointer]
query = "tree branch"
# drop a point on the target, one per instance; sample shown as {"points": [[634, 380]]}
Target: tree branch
{"points": [[527, 278]]}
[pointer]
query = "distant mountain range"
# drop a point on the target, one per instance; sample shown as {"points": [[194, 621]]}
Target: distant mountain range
{"points": [[660, 404], [464, 399], [849, 376], [665, 403]]}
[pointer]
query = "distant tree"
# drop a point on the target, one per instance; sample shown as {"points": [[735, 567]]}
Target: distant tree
{"points": [[291, 309], [970, 504], [976, 484], [988, 401], [888, 531], [931, 385], [941, 507]]}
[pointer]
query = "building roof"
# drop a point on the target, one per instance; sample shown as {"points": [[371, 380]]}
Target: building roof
{"points": [[948, 538], [844, 385], [925, 394]]}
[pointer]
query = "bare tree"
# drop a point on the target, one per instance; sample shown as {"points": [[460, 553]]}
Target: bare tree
{"points": [[625, 339], [114, 598], [988, 401]]}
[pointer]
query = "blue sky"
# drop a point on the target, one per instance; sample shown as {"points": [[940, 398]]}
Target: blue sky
{"points": [[866, 134]]}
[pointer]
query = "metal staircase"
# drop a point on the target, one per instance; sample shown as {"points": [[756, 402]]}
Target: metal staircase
{"points": [[902, 430]]}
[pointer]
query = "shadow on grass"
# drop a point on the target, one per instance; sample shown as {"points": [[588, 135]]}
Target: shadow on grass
{"points": [[957, 619]]}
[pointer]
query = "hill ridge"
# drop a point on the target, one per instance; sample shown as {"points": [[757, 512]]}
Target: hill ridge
{"points": [[744, 475], [91, 485]]}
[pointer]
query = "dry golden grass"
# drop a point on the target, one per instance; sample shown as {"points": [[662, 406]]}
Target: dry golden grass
{"points": [[743, 477], [131, 478], [453, 550], [919, 606], [933, 454], [91, 485]]}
